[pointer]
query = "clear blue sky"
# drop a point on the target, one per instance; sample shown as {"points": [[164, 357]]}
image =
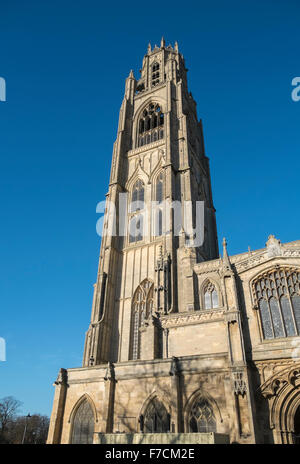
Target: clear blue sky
{"points": [[65, 63]]}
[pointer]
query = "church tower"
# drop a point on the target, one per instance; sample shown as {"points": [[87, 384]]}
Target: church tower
{"points": [[146, 269], [182, 342]]}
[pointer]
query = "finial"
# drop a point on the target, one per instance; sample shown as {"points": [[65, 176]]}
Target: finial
{"points": [[131, 74], [182, 232], [149, 47], [273, 246], [176, 46], [226, 262], [224, 246], [162, 42]]}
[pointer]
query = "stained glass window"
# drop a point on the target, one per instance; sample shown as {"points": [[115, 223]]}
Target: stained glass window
{"points": [[277, 296]]}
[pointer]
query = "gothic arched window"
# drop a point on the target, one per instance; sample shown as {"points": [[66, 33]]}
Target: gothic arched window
{"points": [[136, 223], [151, 125], [142, 305], [83, 424], [160, 222], [211, 300], [156, 419], [158, 219], [136, 228], [159, 188], [201, 417], [277, 296], [155, 74], [158, 212], [137, 197]]}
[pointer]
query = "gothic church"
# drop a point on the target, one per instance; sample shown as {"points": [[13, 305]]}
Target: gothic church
{"points": [[184, 345]]}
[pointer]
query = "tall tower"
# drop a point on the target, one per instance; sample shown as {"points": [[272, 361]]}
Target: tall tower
{"points": [[182, 343], [158, 156]]}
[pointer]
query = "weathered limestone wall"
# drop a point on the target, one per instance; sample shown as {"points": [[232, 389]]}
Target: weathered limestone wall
{"points": [[135, 384], [197, 339], [162, 438]]}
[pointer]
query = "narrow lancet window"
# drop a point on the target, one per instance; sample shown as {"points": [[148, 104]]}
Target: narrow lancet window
{"points": [[159, 188], [142, 306], [136, 218]]}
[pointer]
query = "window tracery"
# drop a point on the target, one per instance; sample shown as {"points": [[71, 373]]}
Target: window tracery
{"points": [[201, 417], [159, 212], [159, 188], [151, 125], [142, 306], [136, 217], [83, 424], [137, 196], [211, 299], [157, 419], [277, 296]]}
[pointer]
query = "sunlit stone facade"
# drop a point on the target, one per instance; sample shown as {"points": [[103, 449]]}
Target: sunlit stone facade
{"points": [[181, 340]]}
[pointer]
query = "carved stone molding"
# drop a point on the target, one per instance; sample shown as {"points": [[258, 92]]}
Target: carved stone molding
{"points": [[252, 261], [211, 266], [147, 147], [194, 318], [239, 384], [280, 379], [291, 253]]}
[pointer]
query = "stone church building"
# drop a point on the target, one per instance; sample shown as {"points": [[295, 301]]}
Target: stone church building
{"points": [[184, 343]]}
